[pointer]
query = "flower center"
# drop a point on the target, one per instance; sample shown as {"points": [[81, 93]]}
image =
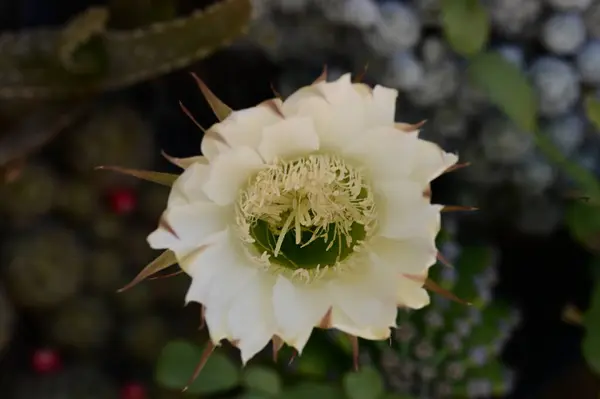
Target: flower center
{"points": [[307, 214]]}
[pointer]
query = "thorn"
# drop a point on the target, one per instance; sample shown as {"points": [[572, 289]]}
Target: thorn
{"points": [[458, 208], [457, 166], [177, 273], [165, 225], [164, 179], [189, 115], [220, 109], [277, 345], [409, 127], [427, 192], [273, 106], [202, 320], [355, 350], [325, 322], [293, 357], [434, 287], [210, 347], [442, 259], [275, 92], [359, 78], [164, 260], [322, 77]]}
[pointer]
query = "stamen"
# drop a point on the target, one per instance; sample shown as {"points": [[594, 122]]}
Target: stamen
{"points": [[314, 198]]}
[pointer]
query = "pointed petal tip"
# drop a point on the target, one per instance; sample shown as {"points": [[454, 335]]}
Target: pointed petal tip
{"points": [[221, 110], [322, 77], [164, 179], [457, 167], [459, 208]]}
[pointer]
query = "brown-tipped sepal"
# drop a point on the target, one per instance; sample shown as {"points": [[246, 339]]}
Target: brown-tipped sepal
{"points": [[432, 286], [210, 348], [184, 163], [277, 344], [409, 127], [165, 179], [220, 109], [458, 208], [322, 77], [164, 260]]}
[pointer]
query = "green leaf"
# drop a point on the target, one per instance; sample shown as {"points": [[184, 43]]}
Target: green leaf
{"points": [[592, 110], [583, 177], [364, 384], [507, 87], [397, 396], [255, 395], [466, 25], [262, 379], [178, 360], [583, 220], [591, 321], [313, 390]]}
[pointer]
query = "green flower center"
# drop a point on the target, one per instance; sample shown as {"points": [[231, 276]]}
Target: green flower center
{"points": [[308, 213]]}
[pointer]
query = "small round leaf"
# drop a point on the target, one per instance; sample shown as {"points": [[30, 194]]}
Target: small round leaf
{"points": [[364, 384], [262, 379], [178, 360], [507, 87], [313, 390], [466, 25], [591, 322]]}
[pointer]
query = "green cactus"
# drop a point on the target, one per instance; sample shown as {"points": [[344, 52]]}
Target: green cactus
{"points": [[105, 271], [107, 227], [152, 201], [114, 134], [33, 194], [78, 200], [135, 248], [6, 320], [83, 323], [144, 337], [137, 300], [44, 268], [85, 57], [78, 382], [448, 349]]}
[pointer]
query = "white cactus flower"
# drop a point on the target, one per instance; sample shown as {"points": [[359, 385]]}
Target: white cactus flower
{"points": [[309, 212]]}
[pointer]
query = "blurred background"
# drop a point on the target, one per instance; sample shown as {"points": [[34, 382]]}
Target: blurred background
{"points": [[511, 85]]}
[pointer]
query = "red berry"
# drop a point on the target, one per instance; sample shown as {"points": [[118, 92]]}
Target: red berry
{"points": [[46, 361], [133, 390], [122, 201]]}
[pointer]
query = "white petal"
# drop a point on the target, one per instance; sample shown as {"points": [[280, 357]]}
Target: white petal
{"points": [[385, 152], [404, 212], [188, 186], [411, 294], [251, 316], [288, 138], [411, 256], [298, 308], [194, 223], [241, 128], [342, 322], [218, 272], [338, 111], [229, 172], [216, 320], [367, 296], [430, 162], [382, 110], [211, 147]]}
